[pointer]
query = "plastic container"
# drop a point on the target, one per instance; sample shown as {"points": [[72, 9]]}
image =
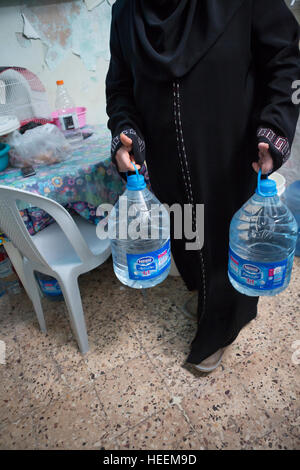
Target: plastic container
{"points": [[49, 286], [139, 232], [4, 157], [292, 199], [81, 114], [263, 235], [67, 115]]}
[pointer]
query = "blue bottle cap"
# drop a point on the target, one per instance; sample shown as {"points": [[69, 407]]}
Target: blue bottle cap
{"points": [[136, 182], [266, 188]]}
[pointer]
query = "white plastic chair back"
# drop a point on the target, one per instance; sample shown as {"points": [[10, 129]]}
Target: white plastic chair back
{"points": [[12, 224]]}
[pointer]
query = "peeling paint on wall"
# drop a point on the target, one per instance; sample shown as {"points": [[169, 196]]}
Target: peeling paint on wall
{"points": [[70, 26], [23, 40]]}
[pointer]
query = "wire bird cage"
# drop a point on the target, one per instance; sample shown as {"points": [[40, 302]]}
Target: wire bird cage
{"points": [[22, 94]]}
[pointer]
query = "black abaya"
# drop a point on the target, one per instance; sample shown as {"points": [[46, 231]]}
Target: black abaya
{"points": [[196, 80]]}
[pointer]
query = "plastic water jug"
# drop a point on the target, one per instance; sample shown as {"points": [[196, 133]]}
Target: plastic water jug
{"points": [[139, 232], [263, 235]]}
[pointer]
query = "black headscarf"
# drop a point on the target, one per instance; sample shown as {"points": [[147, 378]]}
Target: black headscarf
{"points": [[170, 36]]}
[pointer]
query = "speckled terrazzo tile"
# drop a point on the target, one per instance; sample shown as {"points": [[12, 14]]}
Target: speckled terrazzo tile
{"points": [[158, 322], [160, 432], [41, 380], [71, 365], [278, 439], [18, 436], [253, 337], [224, 415], [190, 442], [130, 394], [112, 344], [173, 289], [111, 306], [74, 422], [32, 340], [280, 315], [169, 359], [12, 314], [274, 384], [13, 404]]}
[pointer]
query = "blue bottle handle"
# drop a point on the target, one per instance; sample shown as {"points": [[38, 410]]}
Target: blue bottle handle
{"points": [[136, 170], [258, 182]]}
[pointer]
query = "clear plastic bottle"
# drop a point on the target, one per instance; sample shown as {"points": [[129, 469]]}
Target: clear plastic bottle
{"points": [[139, 232], [68, 118], [263, 236]]}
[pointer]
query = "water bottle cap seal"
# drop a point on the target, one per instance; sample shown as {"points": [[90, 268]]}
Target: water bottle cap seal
{"points": [[266, 188]]}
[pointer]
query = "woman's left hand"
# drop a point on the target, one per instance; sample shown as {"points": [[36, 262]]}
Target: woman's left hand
{"points": [[265, 162]]}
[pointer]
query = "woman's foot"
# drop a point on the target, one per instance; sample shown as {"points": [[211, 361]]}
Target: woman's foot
{"points": [[210, 363], [190, 307]]}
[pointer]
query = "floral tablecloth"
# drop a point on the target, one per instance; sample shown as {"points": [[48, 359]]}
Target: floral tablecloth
{"points": [[82, 182]]}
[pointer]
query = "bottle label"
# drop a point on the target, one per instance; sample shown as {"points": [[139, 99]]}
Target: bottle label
{"points": [[149, 265], [255, 275], [68, 122]]}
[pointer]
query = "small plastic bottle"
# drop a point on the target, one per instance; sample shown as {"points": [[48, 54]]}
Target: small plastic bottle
{"points": [[67, 115]]}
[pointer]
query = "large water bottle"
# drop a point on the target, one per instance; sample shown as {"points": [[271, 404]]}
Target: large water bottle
{"points": [[139, 231], [292, 200], [67, 115], [263, 236]]}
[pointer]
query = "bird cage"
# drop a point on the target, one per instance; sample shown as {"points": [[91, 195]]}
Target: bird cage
{"points": [[23, 95]]}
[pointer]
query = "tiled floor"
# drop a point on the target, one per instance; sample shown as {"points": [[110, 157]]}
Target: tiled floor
{"points": [[133, 390]]}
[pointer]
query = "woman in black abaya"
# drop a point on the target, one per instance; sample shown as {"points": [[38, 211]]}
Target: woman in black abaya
{"points": [[203, 88]]}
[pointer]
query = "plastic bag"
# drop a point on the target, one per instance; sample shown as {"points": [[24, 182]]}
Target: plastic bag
{"points": [[42, 145]]}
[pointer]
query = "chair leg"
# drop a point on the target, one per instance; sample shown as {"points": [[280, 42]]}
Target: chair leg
{"points": [[70, 289], [34, 295]]}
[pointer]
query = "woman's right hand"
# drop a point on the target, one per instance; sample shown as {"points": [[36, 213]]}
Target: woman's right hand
{"points": [[123, 158]]}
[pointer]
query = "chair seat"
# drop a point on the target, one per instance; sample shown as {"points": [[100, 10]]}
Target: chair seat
{"points": [[57, 250]]}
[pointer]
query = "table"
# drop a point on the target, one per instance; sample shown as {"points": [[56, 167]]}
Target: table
{"points": [[82, 182]]}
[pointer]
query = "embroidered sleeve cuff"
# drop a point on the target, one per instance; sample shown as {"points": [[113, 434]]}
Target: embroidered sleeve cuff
{"points": [[138, 146], [279, 146]]}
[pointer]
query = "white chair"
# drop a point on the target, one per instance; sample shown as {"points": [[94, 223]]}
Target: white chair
{"points": [[63, 250]]}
